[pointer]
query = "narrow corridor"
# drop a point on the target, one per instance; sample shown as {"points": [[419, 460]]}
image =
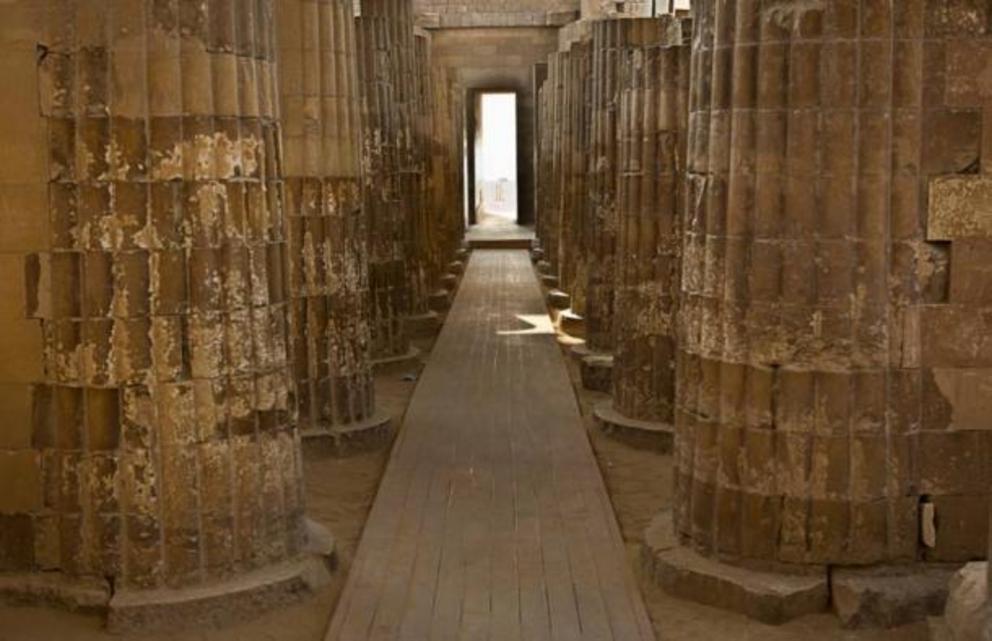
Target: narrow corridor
{"points": [[492, 520]]}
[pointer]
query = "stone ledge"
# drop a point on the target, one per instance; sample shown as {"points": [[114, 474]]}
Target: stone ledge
{"points": [[549, 280], [889, 596], [410, 357], [559, 300], [659, 437], [238, 599], [572, 324], [440, 301], [422, 325], [764, 596], [54, 589], [345, 440], [595, 368], [449, 282]]}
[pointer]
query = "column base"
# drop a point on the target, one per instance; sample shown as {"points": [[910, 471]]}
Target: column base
{"points": [[410, 357], [218, 603], [640, 434], [345, 440], [463, 253], [456, 267], [572, 324], [449, 282], [543, 267], [559, 300], [549, 280], [536, 255], [440, 301], [886, 597], [768, 597], [968, 616], [596, 368], [54, 589], [422, 325]]}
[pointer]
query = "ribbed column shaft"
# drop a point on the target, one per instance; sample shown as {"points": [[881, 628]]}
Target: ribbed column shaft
{"points": [[328, 236], [163, 432], [611, 39], [653, 114], [380, 35]]}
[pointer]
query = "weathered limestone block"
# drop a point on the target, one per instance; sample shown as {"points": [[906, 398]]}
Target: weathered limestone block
{"points": [[329, 326], [813, 416], [163, 451], [654, 111], [968, 616]]}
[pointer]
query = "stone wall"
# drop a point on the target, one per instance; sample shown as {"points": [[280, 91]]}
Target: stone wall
{"points": [[501, 59], [494, 13]]}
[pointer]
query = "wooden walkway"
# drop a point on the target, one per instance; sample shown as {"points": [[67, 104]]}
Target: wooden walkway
{"points": [[492, 520]]}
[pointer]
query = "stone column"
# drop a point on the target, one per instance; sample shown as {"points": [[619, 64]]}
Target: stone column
{"points": [[610, 40], [160, 453], [380, 31], [653, 111], [826, 352], [571, 196], [445, 184], [422, 242], [328, 235], [552, 185]]}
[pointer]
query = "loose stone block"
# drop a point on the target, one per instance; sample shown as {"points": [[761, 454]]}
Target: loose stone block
{"points": [[889, 597], [960, 207]]}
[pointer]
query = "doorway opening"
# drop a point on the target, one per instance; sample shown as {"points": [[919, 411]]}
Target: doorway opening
{"points": [[495, 183]]}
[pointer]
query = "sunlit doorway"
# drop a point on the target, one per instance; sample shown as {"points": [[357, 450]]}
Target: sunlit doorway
{"points": [[495, 153]]}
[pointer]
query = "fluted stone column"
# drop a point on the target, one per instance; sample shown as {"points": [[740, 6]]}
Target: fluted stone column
{"points": [[825, 349], [381, 31], [423, 251], [611, 39], [557, 72], [328, 235], [572, 262], [162, 480], [653, 104], [445, 183]]}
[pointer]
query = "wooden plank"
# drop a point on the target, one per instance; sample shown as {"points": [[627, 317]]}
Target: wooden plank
{"points": [[492, 521]]}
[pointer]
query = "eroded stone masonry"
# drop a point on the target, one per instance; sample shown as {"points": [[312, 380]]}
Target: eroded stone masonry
{"points": [[768, 225]]}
